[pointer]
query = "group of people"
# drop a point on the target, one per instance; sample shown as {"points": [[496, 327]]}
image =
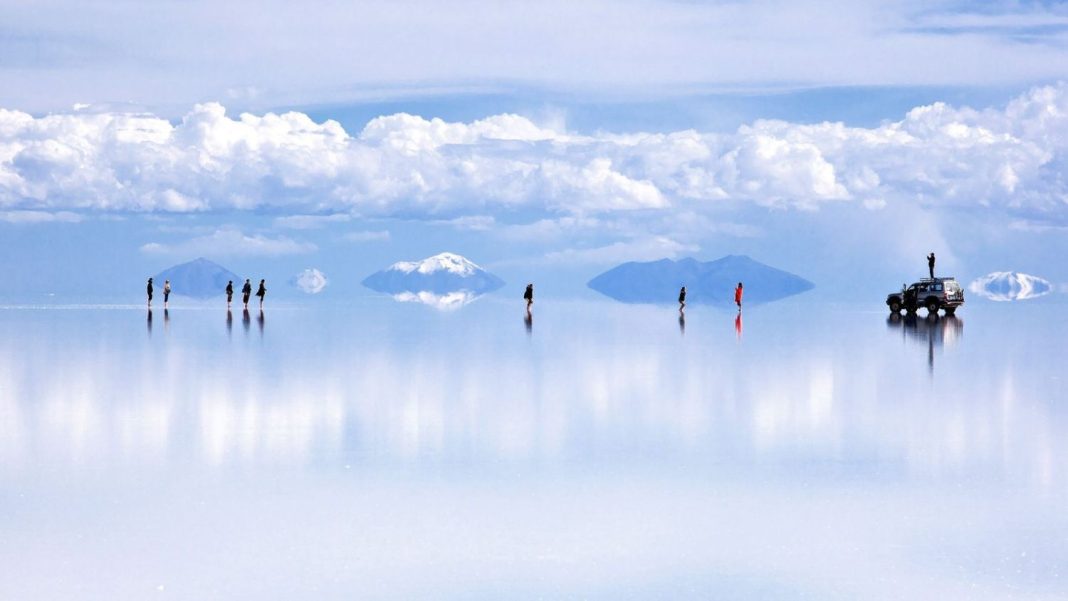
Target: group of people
{"points": [[246, 292], [528, 294], [166, 292], [737, 298]]}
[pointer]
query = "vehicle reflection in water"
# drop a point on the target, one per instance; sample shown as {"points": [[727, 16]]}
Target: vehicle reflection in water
{"points": [[934, 331]]}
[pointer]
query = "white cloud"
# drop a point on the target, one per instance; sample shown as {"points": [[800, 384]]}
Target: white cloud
{"points": [[646, 249], [39, 217], [231, 242], [473, 174], [311, 281], [368, 236], [61, 52], [309, 222]]}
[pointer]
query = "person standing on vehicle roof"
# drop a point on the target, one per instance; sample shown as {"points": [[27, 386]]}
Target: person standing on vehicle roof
{"points": [[930, 264]]}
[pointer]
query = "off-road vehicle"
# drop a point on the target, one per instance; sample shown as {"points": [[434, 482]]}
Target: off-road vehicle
{"points": [[931, 293]]}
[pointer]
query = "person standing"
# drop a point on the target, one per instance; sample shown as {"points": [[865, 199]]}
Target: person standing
{"points": [[229, 293], [149, 290], [682, 298], [246, 292], [166, 293], [930, 264], [262, 292], [738, 296], [528, 295]]}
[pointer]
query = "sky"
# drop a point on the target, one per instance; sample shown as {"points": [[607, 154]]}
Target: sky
{"points": [[545, 141]]}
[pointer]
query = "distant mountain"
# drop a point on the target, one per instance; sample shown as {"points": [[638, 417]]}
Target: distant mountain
{"points": [[1010, 286], [199, 278], [439, 275], [712, 282]]}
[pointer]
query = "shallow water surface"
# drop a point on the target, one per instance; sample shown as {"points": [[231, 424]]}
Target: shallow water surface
{"points": [[388, 450]]}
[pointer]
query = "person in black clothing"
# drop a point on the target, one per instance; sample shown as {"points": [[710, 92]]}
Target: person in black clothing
{"points": [[229, 293], [528, 295], [262, 292], [149, 290], [682, 298], [246, 291], [930, 264]]}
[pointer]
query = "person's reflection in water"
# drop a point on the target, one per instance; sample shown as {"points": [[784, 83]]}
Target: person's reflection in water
{"points": [[738, 326], [528, 322], [166, 320], [246, 321], [682, 322], [259, 322], [150, 323], [229, 323]]}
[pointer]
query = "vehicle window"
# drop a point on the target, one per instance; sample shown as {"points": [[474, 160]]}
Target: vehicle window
{"points": [[938, 287]]}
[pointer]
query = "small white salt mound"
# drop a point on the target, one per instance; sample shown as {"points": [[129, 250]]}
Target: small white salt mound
{"points": [[1004, 286]]}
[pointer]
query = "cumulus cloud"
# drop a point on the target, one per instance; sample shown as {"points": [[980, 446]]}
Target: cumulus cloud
{"points": [[1009, 160], [310, 281], [231, 242]]}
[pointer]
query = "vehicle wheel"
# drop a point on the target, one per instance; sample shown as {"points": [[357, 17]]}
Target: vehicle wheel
{"points": [[950, 311], [895, 307], [932, 307]]}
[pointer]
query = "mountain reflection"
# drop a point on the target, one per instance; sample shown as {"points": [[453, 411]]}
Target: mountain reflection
{"points": [[477, 403], [447, 301]]}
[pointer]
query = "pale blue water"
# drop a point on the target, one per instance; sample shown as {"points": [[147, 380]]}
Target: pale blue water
{"points": [[387, 450]]}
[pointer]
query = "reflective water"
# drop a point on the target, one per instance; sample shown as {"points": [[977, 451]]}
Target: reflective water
{"points": [[594, 450]]}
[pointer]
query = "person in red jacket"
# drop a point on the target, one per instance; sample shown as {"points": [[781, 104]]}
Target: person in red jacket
{"points": [[738, 296]]}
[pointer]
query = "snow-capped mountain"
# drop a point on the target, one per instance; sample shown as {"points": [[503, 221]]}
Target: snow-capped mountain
{"points": [[449, 262], [1004, 286], [439, 275]]}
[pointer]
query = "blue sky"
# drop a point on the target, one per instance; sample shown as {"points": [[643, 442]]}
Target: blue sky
{"points": [[546, 141]]}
